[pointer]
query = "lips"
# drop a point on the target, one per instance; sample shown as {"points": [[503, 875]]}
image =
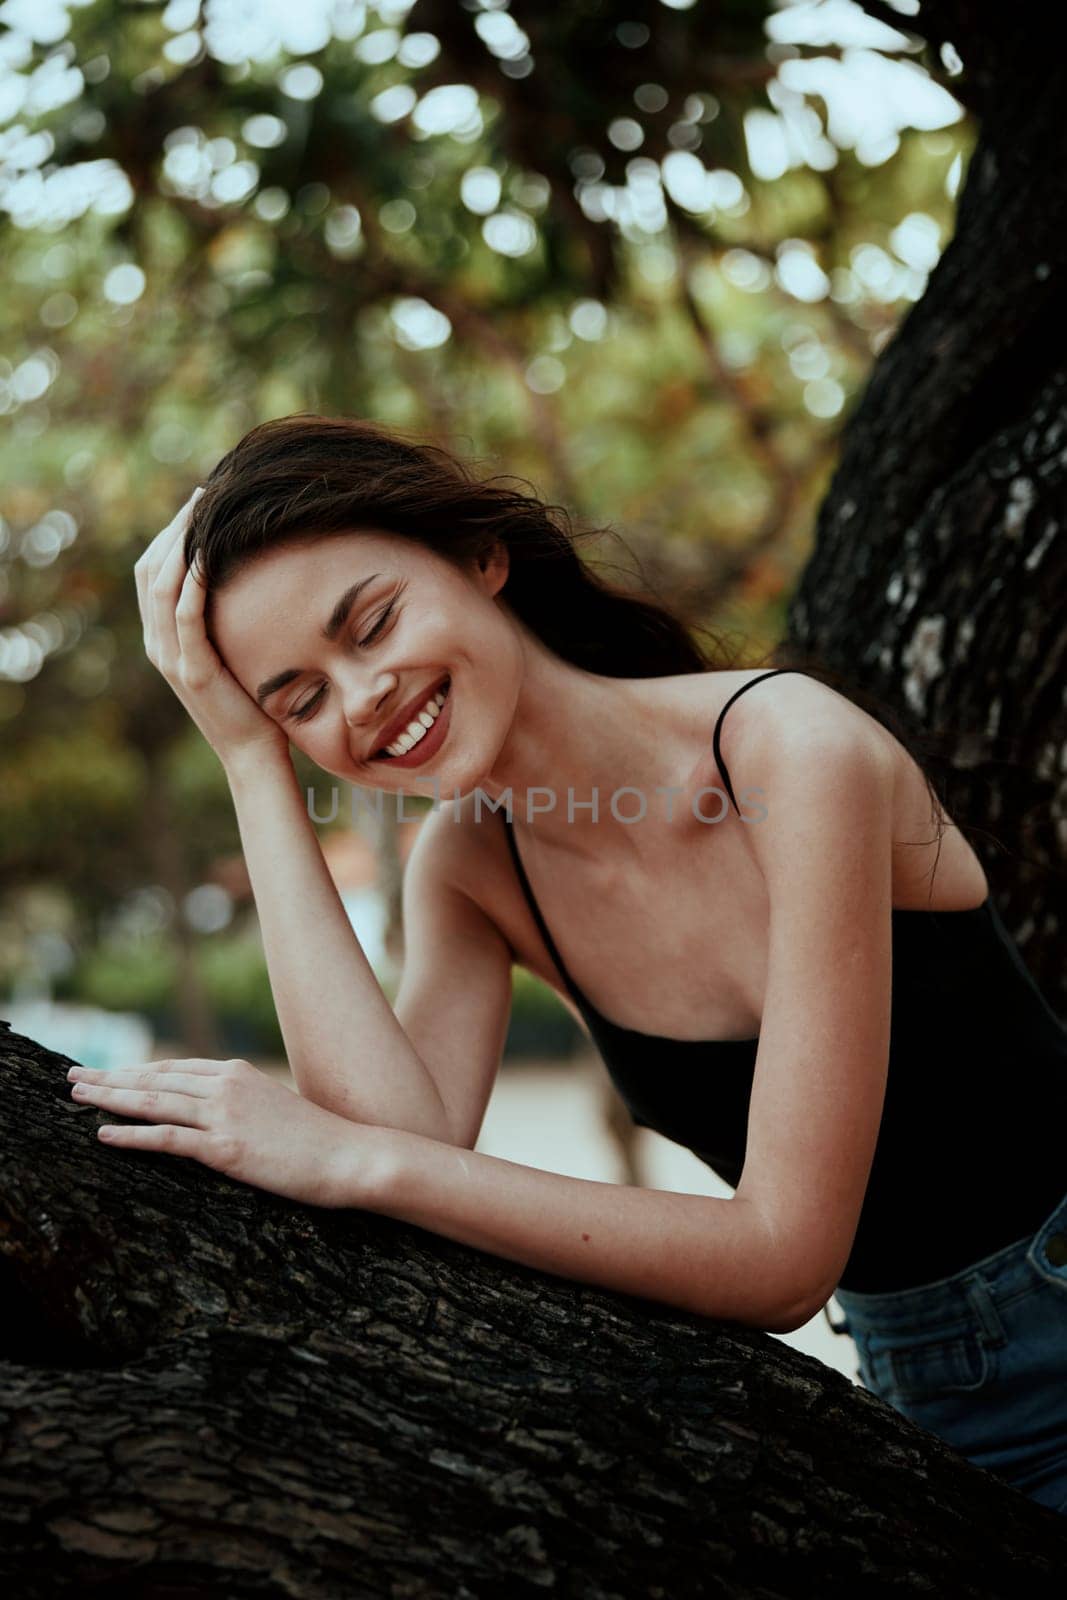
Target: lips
{"points": [[396, 727]]}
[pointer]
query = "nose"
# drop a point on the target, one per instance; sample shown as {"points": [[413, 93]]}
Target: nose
{"points": [[362, 696]]}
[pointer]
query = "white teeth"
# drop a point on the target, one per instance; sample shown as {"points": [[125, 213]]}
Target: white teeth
{"points": [[416, 729]]}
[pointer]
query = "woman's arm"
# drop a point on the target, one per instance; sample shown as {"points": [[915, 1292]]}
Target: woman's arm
{"points": [[713, 1257], [701, 1254], [346, 1048]]}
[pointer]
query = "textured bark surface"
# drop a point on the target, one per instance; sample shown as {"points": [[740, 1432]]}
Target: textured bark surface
{"points": [[210, 1390], [939, 575]]}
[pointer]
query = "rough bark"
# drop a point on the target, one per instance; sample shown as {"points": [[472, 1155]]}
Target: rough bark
{"points": [[207, 1389], [938, 579]]}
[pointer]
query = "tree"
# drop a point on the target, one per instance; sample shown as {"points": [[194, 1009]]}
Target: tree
{"points": [[210, 1390], [939, 574], [205, 224]]}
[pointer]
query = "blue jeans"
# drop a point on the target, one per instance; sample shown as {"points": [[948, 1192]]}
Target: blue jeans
{"points": [[980, 1358]]}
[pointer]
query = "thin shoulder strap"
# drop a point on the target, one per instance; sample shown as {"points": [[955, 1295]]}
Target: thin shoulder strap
{"points": [[715, 737], [576, 994]]}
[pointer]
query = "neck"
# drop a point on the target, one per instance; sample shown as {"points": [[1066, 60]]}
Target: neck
{"points": [[576, 736]]}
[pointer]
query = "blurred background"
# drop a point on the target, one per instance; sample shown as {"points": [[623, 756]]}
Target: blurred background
{"points": [[641, 254]]}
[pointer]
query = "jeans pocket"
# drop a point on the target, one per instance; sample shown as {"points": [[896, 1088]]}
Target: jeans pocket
{"points": [[920, 1370]]}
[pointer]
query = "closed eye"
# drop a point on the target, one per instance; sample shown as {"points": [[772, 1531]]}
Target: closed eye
{"points": [[383, 618], [309, 707]]}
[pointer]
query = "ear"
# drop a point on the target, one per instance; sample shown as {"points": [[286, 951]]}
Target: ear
{"points": [[492, 566]]}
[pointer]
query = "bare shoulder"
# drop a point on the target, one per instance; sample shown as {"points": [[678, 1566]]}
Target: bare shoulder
{"points": [[790, 711], [446, 837], [795, 722], [466, 840]]}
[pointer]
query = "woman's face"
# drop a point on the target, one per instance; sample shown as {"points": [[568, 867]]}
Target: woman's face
{"points": [[402, 621]]}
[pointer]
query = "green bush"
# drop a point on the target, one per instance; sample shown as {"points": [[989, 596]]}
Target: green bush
{"points": [[235, 975], [141, 976], [540, 1023], [126, 975]]}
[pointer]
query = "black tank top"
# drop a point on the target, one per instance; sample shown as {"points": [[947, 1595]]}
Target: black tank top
{"points": [[971, 1152]]}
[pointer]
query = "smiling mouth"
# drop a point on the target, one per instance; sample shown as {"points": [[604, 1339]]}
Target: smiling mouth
{"points": [[383, 753]]}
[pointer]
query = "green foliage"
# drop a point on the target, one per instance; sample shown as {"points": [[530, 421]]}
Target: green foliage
{"points": [[268, 243], [235, 974], [60, 791], [141, 975], [540, 1023], [138, 975]]}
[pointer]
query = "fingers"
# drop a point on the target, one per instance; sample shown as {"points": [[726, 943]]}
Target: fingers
{"points": [[191, 1094], [151, 559], [163, 592], [149, 571], [191, 1111], [198, 655], [166, 1137], [153, 556], [200, 1065], [194, 1083]]}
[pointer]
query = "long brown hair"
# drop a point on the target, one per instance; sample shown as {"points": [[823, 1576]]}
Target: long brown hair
{"points": [[306, 476]]}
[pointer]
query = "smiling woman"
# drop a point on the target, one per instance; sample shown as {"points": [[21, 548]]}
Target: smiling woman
{"points": [[368, 687], [337, 619], [813, 1005]]}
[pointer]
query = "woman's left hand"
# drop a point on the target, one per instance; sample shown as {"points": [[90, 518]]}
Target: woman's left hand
{"points": [[239, 1120]]}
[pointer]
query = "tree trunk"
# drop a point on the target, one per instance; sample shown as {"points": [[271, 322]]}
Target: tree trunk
{"points": [[197, 1025], [210, 1390], [939, 575]]}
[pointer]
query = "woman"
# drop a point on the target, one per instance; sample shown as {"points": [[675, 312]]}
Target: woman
{"points": [[809, 992]]}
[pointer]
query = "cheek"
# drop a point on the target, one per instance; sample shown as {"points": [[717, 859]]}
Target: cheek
{"points": [[324, 741], [438, 627], [316, 738]]}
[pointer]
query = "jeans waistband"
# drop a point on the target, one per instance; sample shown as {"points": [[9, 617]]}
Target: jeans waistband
{"points": [[1004, 1273]]}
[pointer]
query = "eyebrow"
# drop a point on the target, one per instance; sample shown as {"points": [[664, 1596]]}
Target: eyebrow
{"points": [[335, 622]]}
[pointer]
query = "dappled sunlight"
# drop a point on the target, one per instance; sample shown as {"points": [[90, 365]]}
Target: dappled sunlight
{"points": [[646, 266]]}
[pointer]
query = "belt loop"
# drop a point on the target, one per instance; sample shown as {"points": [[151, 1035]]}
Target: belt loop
{"points": [[986, 1311], [835, 1327]]}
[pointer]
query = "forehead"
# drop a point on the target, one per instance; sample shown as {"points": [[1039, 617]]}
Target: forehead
{"points": [[278, 605]]}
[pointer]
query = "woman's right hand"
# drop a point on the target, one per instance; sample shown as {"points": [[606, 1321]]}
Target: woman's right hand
{"points": [[171, 599]]}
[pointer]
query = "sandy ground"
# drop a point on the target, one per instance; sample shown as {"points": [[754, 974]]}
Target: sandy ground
{"points": [[552, 1115]]}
